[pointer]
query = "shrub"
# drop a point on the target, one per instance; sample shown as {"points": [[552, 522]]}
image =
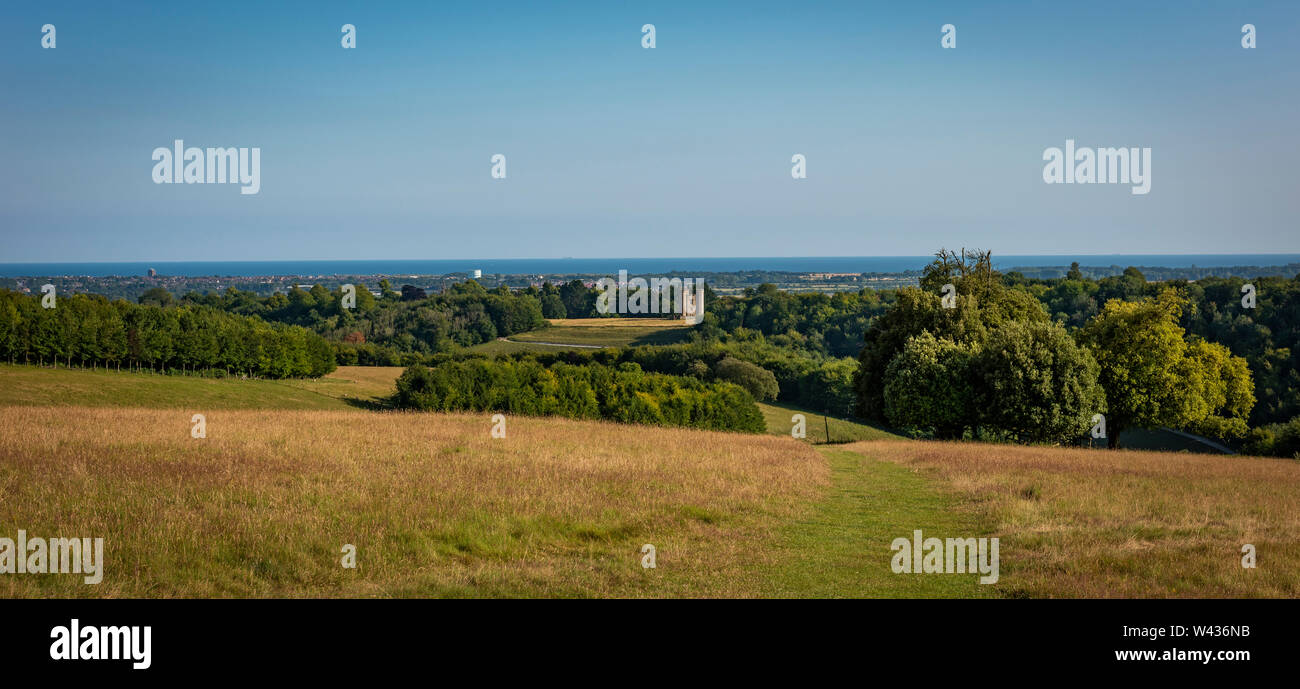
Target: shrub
{"points": [[580, 391], [758, 381], [1277, 440]]}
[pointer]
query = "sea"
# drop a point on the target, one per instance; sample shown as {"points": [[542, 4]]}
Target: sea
{"points": [[643, 266]]}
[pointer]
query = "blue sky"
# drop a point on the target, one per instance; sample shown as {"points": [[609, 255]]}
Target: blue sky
{"points": [[614, 150]]}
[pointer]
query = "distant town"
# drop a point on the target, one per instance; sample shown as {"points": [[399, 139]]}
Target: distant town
{"points": [[723, 283]]}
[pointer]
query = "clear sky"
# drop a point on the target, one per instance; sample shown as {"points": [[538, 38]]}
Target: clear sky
{"points": [[614, 150]]}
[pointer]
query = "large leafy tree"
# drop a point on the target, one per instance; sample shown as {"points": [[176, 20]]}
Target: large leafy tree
{"points": [[928, 386], [1153, 376], [1037, 384], [983, 303]]}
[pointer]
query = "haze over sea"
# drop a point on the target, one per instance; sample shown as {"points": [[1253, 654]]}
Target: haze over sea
{"points": [[550, 266]]}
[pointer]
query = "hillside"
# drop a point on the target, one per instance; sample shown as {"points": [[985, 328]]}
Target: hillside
{"points": [[291, 471], [434, 505]]}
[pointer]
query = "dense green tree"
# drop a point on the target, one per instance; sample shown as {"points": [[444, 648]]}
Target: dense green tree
{"points": [[758, 381], [1036, 384], [156, 296], [1154, 377], [928, 386]]}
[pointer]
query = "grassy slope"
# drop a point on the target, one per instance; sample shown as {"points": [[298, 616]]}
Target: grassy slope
{"points": [[261, 506], [35, 386], [778, 416], [434, 505]]}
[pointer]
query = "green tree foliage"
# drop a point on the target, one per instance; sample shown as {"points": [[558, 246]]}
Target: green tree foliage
{"points": [[552, 302], [156, 296], [758, 381], [1276, 439], [623, 393], [1153, 376], [1266, 336], [1036, 384], [385, 331], [92, 331], [821, 324], [928, 386], [982, 303]]}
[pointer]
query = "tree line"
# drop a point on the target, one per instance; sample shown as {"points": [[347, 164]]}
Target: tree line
{"points": [[395, 328], [589, 391], [994, 364], [92, 331], [764, 370]]}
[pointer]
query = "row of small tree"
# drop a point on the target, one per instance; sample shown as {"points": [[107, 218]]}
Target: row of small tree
{"points": [[90, 330], [624, 393]]}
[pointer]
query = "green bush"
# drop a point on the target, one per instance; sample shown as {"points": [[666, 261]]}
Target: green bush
{"points": [[1276, 440], [581, 391], [928, 386], [758, 381]]}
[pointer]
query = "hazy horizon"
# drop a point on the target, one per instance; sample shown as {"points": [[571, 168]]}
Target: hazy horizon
{"points": [[635, 265]]}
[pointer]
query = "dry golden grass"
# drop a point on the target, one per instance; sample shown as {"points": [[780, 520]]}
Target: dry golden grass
{"points": [[435, 506], [1097, 523]]}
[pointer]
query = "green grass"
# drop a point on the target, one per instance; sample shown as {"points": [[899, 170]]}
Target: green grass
{"points": [[777, 415], [57, 387], [840, 549]]}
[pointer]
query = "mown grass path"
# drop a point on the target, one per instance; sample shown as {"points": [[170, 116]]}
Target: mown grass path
{"points": [[841, 548]]}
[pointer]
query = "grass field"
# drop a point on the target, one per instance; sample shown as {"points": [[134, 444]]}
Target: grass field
{"points": [[345, 388], [778, 417], [290, 471], [608, 332], [1075, 522], [263, 505]]}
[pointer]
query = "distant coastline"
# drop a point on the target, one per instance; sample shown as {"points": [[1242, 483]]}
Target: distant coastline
{"points": [[588, 266]]}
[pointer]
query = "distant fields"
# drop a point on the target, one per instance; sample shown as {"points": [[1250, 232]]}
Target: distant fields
{"points": [[601, 332], [292, 470]]}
